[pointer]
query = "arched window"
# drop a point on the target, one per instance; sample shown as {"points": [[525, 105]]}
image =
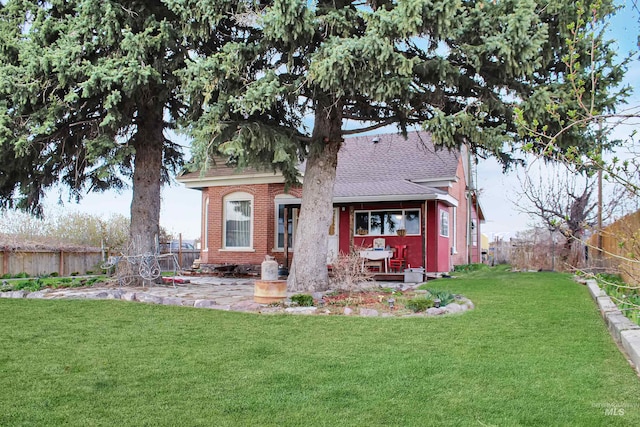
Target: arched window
{"points": [[238, 221]]}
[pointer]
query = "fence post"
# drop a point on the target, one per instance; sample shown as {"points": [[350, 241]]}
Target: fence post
{"points": [[5, 260], [61, 267], [179, 250]]}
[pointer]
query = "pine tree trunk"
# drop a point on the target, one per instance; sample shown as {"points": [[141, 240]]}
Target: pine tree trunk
{"points": [[145, 205], [309, 268]]}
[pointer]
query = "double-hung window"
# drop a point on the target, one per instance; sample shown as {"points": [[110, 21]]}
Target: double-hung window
{"points": [[444, 223], [238, 221]]}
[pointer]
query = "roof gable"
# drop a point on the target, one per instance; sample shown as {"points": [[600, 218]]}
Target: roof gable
{"points": [[391, 157]]}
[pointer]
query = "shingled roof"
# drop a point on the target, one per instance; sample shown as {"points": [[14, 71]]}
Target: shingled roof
{"points": [[374, 167], [389, 157], [392, 167]]}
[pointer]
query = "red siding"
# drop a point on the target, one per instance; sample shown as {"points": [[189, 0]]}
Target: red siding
{"points": [[438, 257], [438, 247]]}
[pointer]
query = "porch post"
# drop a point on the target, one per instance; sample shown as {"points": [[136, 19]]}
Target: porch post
{"points": [[423, 225], [286, 236], [351, 229]]}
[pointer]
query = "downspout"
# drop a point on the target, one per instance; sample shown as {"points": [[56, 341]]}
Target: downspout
{"points": [[469, 203], [424, 235], [468, 227]]}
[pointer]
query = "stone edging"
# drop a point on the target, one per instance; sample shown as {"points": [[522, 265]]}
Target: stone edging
{"points": [[120, 294], [625, 333], [460, 306]]}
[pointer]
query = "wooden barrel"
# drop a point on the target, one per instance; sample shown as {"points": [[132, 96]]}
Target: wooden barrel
{"points": [[269, 291]]}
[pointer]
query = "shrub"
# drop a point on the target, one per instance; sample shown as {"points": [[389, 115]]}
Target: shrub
{"points": [[445, 297], [419, 304], [22, 275], [347, 273], [30, 285], [302, 300], [54, 274]]}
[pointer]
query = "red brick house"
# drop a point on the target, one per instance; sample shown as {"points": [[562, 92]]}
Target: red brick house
{"points": [[383, 183]]}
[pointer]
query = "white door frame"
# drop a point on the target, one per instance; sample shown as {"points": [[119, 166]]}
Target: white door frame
{"points": [[333, 240]]}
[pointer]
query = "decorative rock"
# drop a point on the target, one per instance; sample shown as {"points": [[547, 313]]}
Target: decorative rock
{"points": [[151, 299], [369, 312], [435, 311], [172, 301], [115, 294], [14, 294], [204, 303], [453, 308], [129, 296], [37, 294], [347, 311], [98, 295], [301, 310], [246, 306]]}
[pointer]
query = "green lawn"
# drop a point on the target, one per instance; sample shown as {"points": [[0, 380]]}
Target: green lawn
{"points": [[534, 352]]}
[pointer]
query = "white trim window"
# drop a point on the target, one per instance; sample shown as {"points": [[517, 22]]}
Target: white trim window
{"points": [[238, 221], [444, 223], [454, 230], [387, 222]]}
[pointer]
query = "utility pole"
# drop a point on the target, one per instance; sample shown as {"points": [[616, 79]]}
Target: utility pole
{"points": [[599, 255]]}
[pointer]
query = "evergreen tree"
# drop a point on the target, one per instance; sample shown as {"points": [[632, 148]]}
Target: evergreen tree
{"points": [[87, 92], [456, 68]]}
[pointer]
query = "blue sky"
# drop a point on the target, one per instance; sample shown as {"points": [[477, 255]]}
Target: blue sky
{"points": [[500, 190], [181, 207]]}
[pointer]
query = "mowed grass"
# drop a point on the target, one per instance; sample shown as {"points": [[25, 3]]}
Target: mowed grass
{"points": [[534, 352]]}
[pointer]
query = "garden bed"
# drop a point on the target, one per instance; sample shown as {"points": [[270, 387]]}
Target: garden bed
{"points": [[386, 302]]}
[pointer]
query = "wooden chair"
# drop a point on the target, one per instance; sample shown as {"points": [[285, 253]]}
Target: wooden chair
{"points": [[399, 260]]}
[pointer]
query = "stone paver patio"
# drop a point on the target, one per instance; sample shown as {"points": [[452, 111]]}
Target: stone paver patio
{"points": [[234, 294]]}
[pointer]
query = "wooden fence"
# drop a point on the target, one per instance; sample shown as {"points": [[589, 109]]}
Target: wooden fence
{"points": [[185, 258], [47, 261], [621, 247], [41, 262]]}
